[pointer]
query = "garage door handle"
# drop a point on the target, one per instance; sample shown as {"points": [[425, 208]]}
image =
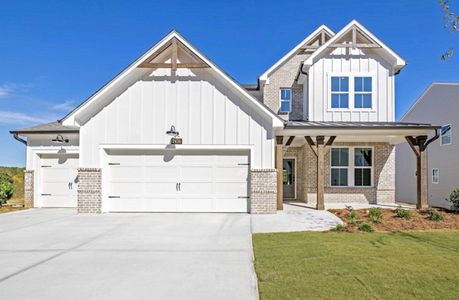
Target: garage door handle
{"points": [[178, 186], [46, 194]]}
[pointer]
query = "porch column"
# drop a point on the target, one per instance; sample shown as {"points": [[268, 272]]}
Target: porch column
{"points": [[320, 173], [279, 168], [419, 145], [319, 151]]}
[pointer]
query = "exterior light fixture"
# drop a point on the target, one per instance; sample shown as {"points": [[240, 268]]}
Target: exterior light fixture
{"points": [[60, 139], [176, 139]]}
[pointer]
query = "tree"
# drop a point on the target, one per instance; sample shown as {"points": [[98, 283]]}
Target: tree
{"points": [[452, 24], [6, 188]]}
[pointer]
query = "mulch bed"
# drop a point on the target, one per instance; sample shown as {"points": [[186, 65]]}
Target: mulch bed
{"points": [[9, 208], [391, 222]]}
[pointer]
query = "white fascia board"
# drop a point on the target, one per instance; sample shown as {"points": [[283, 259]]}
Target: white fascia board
{"points": [[264, 76], [398, 61], [170, 147], [276, 121]]}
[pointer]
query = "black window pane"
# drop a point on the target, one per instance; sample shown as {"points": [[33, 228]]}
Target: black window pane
{"points": [[343, 177], [358, 177], [366, 177], [335, 157], [344, 157], [334, 177]]}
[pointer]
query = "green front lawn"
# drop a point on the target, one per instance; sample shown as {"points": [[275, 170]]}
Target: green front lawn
{"points": [[308, 265]]}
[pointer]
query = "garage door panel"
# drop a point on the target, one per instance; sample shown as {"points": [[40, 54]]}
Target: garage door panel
{"points": [[196, 172], [192, 204], [231, 188], [159, 188], [161, 172], [126, 188], [123, 172], [195, 188], [230, 205], [232, 173]]}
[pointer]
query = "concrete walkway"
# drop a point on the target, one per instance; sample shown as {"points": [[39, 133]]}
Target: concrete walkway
{"points": [[57, 254], [295, 217]]}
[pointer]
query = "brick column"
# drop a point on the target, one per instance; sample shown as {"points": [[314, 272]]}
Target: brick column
{"points": [[89, 190], [28, 189], [263, 191], [384, 165]]}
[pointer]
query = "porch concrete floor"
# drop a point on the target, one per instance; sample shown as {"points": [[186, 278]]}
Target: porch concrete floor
{"points": [[296, 216]]}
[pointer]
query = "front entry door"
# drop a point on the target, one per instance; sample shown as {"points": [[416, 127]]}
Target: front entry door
{"points": [[289, 178]]}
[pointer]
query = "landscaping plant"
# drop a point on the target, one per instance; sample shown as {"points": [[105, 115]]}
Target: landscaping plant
{"points": [[375, 215], [338, 227], [6, 188], [454, 199], [403, 213], [365, 227], [435, 215]]}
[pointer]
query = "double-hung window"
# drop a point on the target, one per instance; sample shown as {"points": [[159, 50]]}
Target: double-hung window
{"points": [[362, 166], [339, 166], [362, 92], [340, 92], [285, 100], [445, 135]]}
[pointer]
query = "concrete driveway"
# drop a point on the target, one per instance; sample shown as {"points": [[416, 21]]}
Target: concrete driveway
{"points": [[58, 254]]}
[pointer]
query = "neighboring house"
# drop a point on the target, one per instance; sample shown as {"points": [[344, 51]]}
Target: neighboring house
{"points": [[318, 127], [439, 104]]}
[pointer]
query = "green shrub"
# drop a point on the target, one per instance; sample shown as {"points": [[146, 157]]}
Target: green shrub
{"points": [[435, 215], [6, 188], [454, 199], [375, 215], [338, 227], [354, 217], [366, 227], [403, 213]]}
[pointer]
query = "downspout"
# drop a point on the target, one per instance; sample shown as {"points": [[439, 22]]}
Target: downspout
{"points": [[17, 138]]}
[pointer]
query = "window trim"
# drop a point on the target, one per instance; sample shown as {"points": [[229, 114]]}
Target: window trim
{"points": [[280, 100], [351, 168], [450, 136], [351, 76], [438, 176]]}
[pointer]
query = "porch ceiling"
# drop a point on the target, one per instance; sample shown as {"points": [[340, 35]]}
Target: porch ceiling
{"points": [[388, 132]]}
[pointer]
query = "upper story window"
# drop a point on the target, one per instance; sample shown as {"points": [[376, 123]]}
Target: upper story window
{"points": [[362, 92], [340, 92], [285, 100], [445, 135]]}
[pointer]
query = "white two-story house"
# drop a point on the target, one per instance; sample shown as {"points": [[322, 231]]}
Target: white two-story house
{"points": [[173, 132]]}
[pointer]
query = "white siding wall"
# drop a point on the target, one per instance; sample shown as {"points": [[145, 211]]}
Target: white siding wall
{"points": [[439, 106], [356, 62], [204, 111]]}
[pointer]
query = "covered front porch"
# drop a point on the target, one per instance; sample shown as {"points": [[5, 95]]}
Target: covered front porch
{"points": [[322, 163]]}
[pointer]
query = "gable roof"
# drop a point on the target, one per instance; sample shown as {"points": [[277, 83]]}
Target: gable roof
{"points": [[264, 76], [69, 119], [397, 61], [427, 90]]}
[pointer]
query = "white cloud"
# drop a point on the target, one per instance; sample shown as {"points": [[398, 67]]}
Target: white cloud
{"points": [[67, 105], [6, 90], [10, 117]]}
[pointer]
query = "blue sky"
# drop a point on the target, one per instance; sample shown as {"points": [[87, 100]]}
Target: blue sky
{"points": [[54, 54]]}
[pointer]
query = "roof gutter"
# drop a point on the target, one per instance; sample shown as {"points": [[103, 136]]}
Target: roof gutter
{"points": [[17, 138]]}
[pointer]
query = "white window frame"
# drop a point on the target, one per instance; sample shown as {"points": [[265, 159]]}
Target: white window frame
{"points": [[450, 136], [351, 77], [363, 93], [280, 100], [437, 177], [351, 167]]}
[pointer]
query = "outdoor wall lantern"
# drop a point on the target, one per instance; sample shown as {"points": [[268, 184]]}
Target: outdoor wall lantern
{"points": [[176, 139], [59, 139]]}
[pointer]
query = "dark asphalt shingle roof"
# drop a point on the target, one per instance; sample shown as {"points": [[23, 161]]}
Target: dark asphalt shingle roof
{"points": [[52, 127]]}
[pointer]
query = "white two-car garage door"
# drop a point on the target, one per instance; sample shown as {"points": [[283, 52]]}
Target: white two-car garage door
{"points": [[177, 181]]}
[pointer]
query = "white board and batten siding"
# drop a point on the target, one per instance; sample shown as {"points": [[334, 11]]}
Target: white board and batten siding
{"points": [[203, 110], [354, 63]]}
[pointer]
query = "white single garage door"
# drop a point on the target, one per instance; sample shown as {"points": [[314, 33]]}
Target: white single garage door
{"points": [[58, 180], [178, 181]]}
